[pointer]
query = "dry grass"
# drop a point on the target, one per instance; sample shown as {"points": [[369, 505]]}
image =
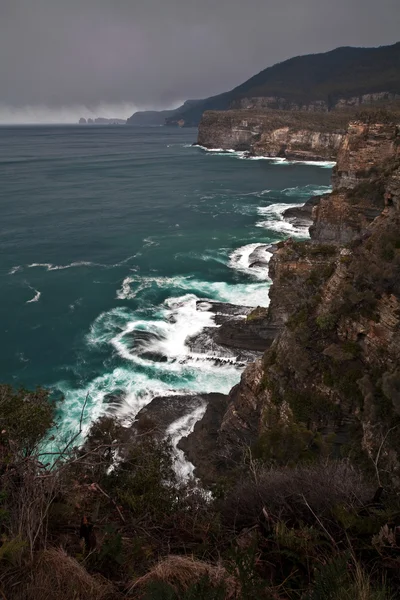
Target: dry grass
{"points": [[55, 575], [180, 572]]}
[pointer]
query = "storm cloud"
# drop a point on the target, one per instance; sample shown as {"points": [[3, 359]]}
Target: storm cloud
{"points": [[92, 56]]}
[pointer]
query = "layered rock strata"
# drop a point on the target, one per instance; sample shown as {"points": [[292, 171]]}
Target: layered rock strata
{"points": [[296, 136]]}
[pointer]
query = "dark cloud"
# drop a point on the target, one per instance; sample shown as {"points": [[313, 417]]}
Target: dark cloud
{"points": [[153, 53]]}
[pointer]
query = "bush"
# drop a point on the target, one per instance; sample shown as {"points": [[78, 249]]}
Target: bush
{"points": [[326, 322], [25, 418]]}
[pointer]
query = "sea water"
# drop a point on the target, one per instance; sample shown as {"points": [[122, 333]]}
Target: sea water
{"points": [[109, 235]]}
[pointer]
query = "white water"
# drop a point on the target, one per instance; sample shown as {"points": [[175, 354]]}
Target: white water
{"points": [[275, 221]]}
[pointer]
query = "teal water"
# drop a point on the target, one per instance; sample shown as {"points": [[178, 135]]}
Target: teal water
{"points": [[108, 236]]}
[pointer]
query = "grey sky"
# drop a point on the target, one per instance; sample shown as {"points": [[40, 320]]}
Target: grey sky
{"points": [[156, 53]]}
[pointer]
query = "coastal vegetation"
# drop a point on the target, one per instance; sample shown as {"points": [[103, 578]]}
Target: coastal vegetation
{"points": [[112, 519]]}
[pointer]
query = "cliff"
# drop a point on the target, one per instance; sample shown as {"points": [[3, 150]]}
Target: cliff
{"points": [[344, 77], [330, 381], [292, 135]]}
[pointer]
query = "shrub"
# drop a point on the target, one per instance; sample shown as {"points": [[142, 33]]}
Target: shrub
{"points": [[326, 322], [25, 417]]}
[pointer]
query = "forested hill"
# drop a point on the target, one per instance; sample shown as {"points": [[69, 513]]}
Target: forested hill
{"points": [[342, 77]]}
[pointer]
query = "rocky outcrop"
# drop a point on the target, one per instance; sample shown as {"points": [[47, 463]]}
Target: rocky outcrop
{"points": [[332, 374], [358, 181], [296, 136]]}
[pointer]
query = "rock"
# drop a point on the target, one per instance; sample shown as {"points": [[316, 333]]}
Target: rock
{"points": [[303, 213], [290, 135], [200, 447], [358, 196], [163, 411], [250, 335]]}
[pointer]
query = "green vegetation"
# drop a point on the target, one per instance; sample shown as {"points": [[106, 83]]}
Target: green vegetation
{"points": [[273, 529]]}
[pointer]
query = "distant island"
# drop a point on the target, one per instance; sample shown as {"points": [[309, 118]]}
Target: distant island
{"points": [[101, 121]]}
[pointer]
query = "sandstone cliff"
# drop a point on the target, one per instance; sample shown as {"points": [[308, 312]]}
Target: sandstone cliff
{"points": [[291, 135], [279, 103], [330, 382]]}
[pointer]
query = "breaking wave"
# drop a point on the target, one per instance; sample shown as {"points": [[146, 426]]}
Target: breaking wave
{"points": [[252, 260], [276, 160], [275, 221]]}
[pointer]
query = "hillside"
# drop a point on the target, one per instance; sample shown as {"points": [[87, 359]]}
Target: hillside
{"points": [[152, 118], [319, 82]]}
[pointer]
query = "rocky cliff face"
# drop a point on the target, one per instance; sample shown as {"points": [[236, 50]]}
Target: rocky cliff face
{"points": [[330, 381], [290, 135], [278, 103]]}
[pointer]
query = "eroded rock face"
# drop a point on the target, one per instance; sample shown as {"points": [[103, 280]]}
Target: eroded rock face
{"points": [[359, 182], [333, 367], [291, 135], [278, 103]]}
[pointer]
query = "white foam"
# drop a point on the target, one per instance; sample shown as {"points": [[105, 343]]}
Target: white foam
{"points": [[325, 164], [223, 151], [14, 270], [179, 429], [307, 191], [277, 160], [241, 261], [79, 263], [35, 298], [274, 159], [51, 267], [248, 294], [275, 220]]}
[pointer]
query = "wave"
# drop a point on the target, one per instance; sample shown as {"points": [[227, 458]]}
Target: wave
{"points": [[307, 191], [79, 263], [277, 160], [223, 151], [275, 220], [35, 298], [51, 267], [14, 270], [242, 259], [179, 429], [137, 342], [246, 294]]}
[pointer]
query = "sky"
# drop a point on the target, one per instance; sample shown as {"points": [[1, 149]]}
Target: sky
{"points": [[61, 59]]}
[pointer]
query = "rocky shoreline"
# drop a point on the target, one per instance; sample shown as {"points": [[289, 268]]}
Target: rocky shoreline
{"points": [[241, 335], [276, 134]]}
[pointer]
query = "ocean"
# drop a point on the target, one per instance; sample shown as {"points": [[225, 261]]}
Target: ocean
{"points": [[108, 237]]}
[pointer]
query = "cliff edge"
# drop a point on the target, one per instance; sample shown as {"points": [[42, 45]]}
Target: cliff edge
{"points": [[330, 381], [285, 134]]}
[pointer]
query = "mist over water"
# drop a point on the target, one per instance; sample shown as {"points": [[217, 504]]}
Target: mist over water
{"points": [[39, 114], [109, 237]]}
